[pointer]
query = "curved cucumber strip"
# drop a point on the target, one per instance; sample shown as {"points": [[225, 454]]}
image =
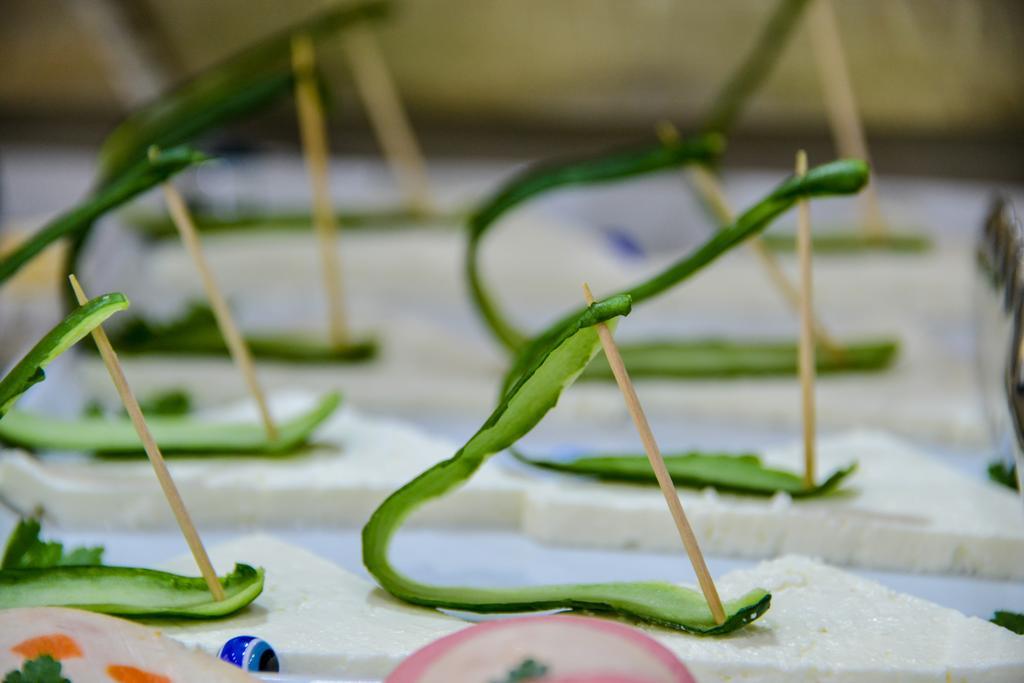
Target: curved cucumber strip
{"points": [[722, 358], [837, 178], [533, 395], [755, 67], [79, 323], [546, 177], [255, 220], [852, 242], [744, 473], [175, 435], [236, 87], [133, 182], [843, 177], [196, 333], [128, 591], [233, 89]]}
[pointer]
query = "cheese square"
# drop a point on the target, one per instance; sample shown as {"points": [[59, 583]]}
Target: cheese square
{"points": [[824, 625], [901, 510]]}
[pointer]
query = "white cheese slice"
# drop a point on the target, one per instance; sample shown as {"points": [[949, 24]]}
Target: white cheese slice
{"points": [[355, 462], [824, 625], [903, 510], [321, 619], [409, 291]]}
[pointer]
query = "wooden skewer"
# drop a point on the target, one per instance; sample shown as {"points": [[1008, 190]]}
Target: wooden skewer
{"points": [[313, 132], [840, 104], [668, 489], [388, 117], [225, 321], [807, 368], [156, 458], [711, 192]]}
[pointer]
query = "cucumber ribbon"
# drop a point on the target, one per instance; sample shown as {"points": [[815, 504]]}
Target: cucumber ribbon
{"points": [[37, 573], [535, 392], [680, 358], [30, 370], [116, 434], [742, 473], [132, 182]]}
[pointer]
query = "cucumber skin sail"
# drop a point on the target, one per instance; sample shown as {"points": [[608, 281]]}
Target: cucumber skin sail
{"points": [[542, 178], [129, 591], [534, 393], [30, 370], [842, 177], [235, 88], [134, 181]]}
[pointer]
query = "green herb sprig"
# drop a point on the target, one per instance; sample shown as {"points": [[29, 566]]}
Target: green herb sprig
{"points": [[43, 669], [37, 573], [26, 550]]}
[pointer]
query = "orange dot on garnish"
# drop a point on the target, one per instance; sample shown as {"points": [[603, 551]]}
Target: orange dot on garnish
{"points": [[57, 645], [129, 674]]}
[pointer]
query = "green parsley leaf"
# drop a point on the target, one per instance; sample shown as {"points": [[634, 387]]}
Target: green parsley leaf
{"points": [[1004, 473], [45, 669], [1010, 620], [25, 550], [528, 670]]}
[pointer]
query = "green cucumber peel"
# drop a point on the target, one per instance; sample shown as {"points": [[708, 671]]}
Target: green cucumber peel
{"points": [[196, 334], [26, 550], [142, 176], [852, 242], [755, 68], [536, 392], [30, 370], [255, 220], [742, 473], [246, 82], [129, 591], [543, 178], [176, 435], [235, 88], [842, 177], [723, 358], [167, 402]]}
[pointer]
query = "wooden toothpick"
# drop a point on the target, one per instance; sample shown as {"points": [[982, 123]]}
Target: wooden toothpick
{"points": [[388, 117], [156, 458], [668, 489], [840, 104], [313, 131], [236, 344], [711, 192], [807, 367]]}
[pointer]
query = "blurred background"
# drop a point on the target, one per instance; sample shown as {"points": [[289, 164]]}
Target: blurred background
{"points": [[938, 81], [491, 85]]}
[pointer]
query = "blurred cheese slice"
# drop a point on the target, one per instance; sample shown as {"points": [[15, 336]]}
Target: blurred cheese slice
{"points": [[354, 463], [923, 300], [824, 624], [903, 510]]}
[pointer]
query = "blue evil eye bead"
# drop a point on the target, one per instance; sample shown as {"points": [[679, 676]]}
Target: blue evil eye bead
{"points": [[250, 654]]}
